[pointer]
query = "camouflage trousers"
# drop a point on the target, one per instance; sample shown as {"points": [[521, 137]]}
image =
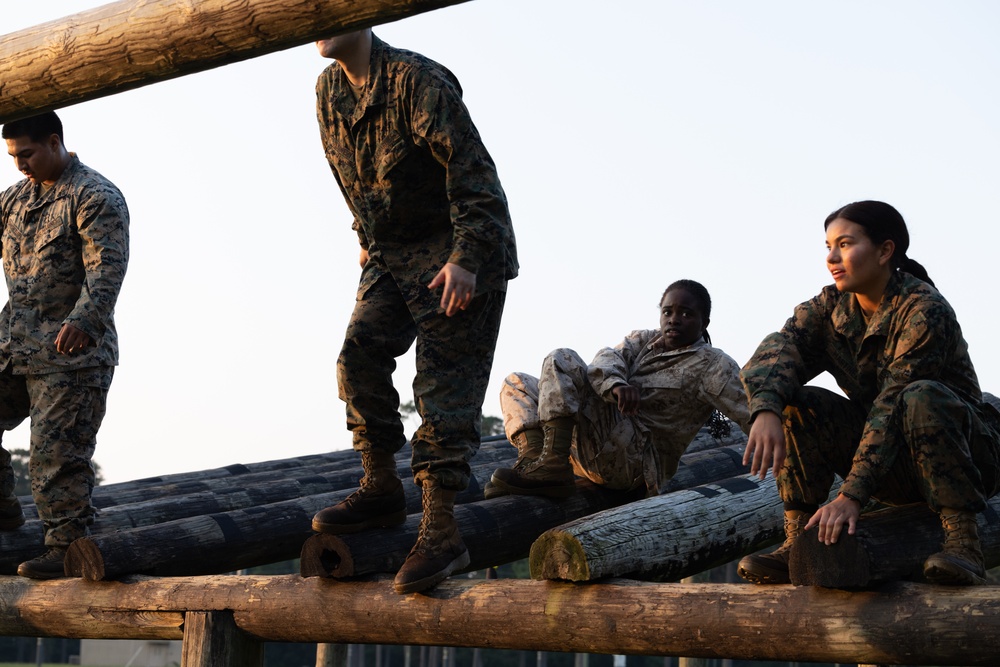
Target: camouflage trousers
{"points": [[454, 356], [66, 410], [948, 455], [608, 447]]}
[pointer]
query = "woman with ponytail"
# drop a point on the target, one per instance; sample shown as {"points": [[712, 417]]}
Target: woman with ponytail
{"points": [[913, 426]]}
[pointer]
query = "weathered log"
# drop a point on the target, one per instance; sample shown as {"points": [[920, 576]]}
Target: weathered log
{"points": [[889, 545], [902, 623], [212, 638], [669, 537], [496, 531], [219, 542], [128, 44]]}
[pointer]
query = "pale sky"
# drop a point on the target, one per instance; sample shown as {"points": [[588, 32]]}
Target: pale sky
{"points": [[638, 142]]}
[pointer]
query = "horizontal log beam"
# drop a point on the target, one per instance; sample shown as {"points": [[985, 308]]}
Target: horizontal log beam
{"points": [[903, 623], [133, 43]]}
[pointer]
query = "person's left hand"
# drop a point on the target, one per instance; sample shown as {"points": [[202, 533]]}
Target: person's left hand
{"points": [[831, 518], [71, 340], [459, 288]]}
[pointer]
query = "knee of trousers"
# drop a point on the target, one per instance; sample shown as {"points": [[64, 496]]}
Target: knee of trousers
{"points": [[926, 404]]}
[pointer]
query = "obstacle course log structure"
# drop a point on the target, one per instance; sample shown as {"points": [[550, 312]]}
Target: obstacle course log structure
{"points": [[133, 43], [905, 623]]}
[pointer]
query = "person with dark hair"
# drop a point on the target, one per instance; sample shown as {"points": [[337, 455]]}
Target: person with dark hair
{"points": [[913, 426], [624, 420], [437, 250], [65, 251]]}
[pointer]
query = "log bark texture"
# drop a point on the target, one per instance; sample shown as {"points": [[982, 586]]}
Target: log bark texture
{"points": [[212, 639], [499, 530], [902, 623], [669, 537], [128, 44], [889, 545]]}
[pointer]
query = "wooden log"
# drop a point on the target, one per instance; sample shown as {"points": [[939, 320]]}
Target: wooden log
{"points": [[132, 43], [496, 531], [889, 544], [667, 537], [902, 623], [219, 542], [212, 639]]}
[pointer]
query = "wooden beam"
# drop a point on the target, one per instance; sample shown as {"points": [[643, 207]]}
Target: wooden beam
{"points": [[212, 639], [903, 623], [132, 43]]}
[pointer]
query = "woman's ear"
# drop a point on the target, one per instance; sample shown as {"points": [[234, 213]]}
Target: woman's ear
{"points": [[886, 251]]}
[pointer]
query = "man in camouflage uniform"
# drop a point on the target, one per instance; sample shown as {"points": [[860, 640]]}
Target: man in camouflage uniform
{"points": [[430, 214], [65, 251]]}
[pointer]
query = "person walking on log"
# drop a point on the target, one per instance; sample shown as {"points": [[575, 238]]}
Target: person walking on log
{"points": [[65, 251], [437, 250], [624, 420], [913, 426]]}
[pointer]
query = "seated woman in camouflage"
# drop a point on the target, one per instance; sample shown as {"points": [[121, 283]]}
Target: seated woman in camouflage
{"points": [[913, 426], [623, 420]]}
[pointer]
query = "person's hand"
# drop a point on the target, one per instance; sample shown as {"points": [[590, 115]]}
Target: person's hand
{"points": [[765, 444], [831, 518], [628, 399], [459, 288], [71, 340], [363, 260]]}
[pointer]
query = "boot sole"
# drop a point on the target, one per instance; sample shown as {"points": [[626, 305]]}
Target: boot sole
{"points": [[762, 575], [948, 574], [546, 491], [384, 521], [433, 580]]}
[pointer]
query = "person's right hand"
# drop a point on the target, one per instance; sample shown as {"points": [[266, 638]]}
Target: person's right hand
{"points": [[628, 399], [765, 444], [364, 257]]}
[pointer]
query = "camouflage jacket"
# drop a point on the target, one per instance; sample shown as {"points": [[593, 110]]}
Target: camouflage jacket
{"points": [[679, 390], [914, 335], [65, 252], [422, 187]]}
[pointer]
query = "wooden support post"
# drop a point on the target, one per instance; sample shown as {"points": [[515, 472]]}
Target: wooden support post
{"points": [[132, 43], [212, 639]]}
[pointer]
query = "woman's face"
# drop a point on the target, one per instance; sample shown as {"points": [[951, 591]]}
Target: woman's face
{"points": [[856, 263], [681, 319]]}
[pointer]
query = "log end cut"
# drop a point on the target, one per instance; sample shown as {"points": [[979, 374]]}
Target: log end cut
{"points": [[558, 555], [84, 559], [326, 556], [844, 564]]}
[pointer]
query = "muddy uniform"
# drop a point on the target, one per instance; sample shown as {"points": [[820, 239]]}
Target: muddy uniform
{"points": [[65, 251], [913, 427], [424, 192], [679, 391]]}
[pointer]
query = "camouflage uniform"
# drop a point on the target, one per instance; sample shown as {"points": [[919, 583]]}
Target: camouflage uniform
{"points": [[424, 192], [65, 251], [914, 426], [679, 391]]}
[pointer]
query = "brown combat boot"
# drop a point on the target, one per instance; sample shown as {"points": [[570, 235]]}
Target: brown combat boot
{"points": [[960, 561], [439, 550], [550, 474], [378, 503], [772, 568], [529, 443], [47, 566]]}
